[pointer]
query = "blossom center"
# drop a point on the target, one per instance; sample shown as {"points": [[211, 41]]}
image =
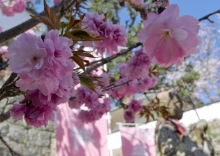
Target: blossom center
{"points": [[166, 35]]}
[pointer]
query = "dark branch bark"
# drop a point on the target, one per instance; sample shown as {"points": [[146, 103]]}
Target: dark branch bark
{"points": [[109, 59], [4, 116], [13, 32], [207, 16], [13, 153]]}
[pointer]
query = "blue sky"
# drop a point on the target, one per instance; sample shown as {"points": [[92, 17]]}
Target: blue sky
{"points": [[196, 8]]}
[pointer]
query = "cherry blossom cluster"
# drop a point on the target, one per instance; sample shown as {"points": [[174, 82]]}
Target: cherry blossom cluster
{"points": [[112, 35], [9, 7], [95, 104], [92, 104], [133, 107], [56, 1], [46, 75], [134, 76]]}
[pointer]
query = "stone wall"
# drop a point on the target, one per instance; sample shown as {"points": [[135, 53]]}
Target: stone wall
{"points": [[26, 140]]}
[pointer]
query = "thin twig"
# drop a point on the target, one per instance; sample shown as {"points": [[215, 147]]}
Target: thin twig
{"points": [[207, 16], [109, 59], [5, 116], [6, 103], [13, 153]]}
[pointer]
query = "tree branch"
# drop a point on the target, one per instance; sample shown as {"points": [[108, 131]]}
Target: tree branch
{"points": [[207, 16], [4, 116], [13, 153], [109, 59], [13, 32]]}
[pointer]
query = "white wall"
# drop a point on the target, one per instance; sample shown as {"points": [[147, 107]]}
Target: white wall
{"points": [[208, 113]]}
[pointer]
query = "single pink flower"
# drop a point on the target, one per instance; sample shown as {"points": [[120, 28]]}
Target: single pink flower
{"points": [[113, 35], [17, 112], [168, 38], [30, 31], [3, 51], [135, 106], [138, 66], [87, 116], [57, 1], [38, 116], [128, 116], [19, 6]]}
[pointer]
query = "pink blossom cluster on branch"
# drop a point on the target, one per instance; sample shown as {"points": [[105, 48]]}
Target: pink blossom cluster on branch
{"points": [[46, 71], [113, 35], [133, 107], [134, 76], [9, 7]]}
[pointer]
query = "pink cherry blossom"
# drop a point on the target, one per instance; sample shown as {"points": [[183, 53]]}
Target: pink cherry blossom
{"points": [[9, 8], [19, 6], [17, 112], [43, 64], [92, 22], [3, 51], [87, 96], [128, 116], [135, 106], [138, 66], [57, 1], [87, 116], [38, 116], [168, 38], [34, 108], [30, 31], [113, 35]]}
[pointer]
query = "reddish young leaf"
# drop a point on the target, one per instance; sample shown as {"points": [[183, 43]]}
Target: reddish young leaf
{"points": [[51, 15], [45, 20], [79, 61]]}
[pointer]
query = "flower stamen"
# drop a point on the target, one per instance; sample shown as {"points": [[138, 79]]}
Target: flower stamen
{"points": [[166, 35]]}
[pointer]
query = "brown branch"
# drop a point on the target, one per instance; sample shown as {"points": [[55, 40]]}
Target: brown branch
{"points": [[207, 16], [113, 85], [4, 116], [13, 153], [109, 59], [143, 9], [17, 30]]}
